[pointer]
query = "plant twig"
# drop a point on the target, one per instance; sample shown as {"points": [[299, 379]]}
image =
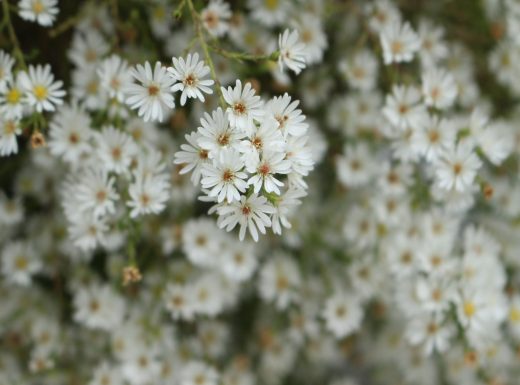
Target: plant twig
{"points": [[241, 56], [17, 52]]}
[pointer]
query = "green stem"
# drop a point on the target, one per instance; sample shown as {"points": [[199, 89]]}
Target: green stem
{"points": [[200, 34], [240, 56], [17, 52]]}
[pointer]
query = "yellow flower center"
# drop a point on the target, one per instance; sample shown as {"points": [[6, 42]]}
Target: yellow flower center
{"points": [[40, 92], [21, 262], [13, 96], [37, 7], [271, 4], [469, 309], [159, 13], [514, 315]]}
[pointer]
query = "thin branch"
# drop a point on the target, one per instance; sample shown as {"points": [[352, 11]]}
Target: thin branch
{"points": [[17, 52], [241, 56]]}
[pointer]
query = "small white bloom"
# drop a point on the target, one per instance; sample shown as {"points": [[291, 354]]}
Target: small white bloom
{"points": [[43, 12], [19, 263], [9, 130], [399, 42], [188, 76], [224, 176], [439, 88], [148, 196], [250, 213], [216, 133], [192, 156], [6, 67], [151, 97], [343, 315], [215, 17], [264, 168], [457, 168], [41, 91], [292, 51], [245, 106], [115, 77]]}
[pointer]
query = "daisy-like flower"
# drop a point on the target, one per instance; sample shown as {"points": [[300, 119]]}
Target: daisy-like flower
{"points": [[192, 156], [292, 52], [19, 263], [115, 77], [96, 193], [435, 135], [115, 149], [403, 108], [439, 88], [70, 133], [290, 119], [399, 42], [457, 168], [265, 137], [215, 17], [151, 98], [148, 196], [198, 373], [12, 98], [343, 315], [264, 168], [216, 134], [6, 66], [224, 176], [245, 106], [361, 70], [188, 76], [250, 213], [41, 11], [9, 129], [41, 91]]}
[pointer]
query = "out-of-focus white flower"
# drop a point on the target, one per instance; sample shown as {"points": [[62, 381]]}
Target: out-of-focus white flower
{"points": [[43, 12]]}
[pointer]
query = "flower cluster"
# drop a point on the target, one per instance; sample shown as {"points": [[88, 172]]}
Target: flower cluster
{"points": [[250, 159]]}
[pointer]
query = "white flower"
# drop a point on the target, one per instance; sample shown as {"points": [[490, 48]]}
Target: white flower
{"points": [[192, 156], [292, 52], [88, 48], [41, 91], [188, 76], [457, 168], [88, 232], [270, 13], [284, 207], [42, 11], [403, 108], [70, 134], [179, 301], [201, 241], [361, 70], [280, 281], [12, 97], [250, 213], [290, 119], [343, 314], [264, 168], [148, 195], [151, 97], [430, 331], [267, 137], [115, 149], [96, 193], [216, 133], [198, 373], [434, 136], [215, 17], [399, 42], [115, 77], [439, 88], [19, 263], [9, 129], [245, 106], [99, 307], [6, 67], [224, 176]]}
